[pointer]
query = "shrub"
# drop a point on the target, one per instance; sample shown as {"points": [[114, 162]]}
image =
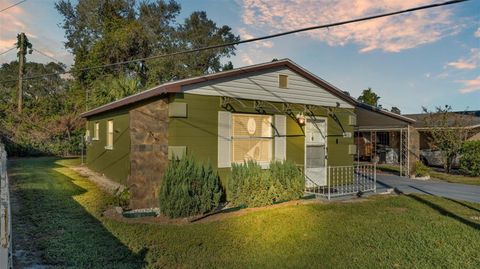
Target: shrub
{"points": [[121, 197], [470, 159], [291, 179], [421, 170], [253, 186], [189, 188]]}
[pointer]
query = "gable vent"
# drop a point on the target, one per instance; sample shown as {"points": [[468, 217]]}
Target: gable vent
{"points": [[283, 81]]}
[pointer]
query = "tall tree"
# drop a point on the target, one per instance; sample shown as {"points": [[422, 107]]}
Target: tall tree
{"points": [[369, 97], [102, 32], [49, 123], [447, 132]]}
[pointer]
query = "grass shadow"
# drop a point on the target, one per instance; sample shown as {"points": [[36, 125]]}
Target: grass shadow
{"points": [[50, 222], [443, 210]]}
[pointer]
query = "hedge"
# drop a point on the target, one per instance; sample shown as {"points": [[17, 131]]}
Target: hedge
{"points": [[189, 188], [253, 186], [470, 158]]}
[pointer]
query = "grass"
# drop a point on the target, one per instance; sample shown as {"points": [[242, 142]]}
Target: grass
{"points": [[455, 178], [61, 213], [452, 178]]}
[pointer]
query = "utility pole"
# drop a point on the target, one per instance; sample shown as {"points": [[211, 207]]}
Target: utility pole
{"points": [[22, 44]]}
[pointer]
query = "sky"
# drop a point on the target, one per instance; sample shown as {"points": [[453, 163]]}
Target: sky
{"points": [[427, 58]]}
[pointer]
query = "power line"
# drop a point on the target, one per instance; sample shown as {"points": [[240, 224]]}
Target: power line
{"points": [[250, 40], [7, 50], [13, 5], [46, 55]]}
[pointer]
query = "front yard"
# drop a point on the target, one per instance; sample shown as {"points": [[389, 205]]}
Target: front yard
{"points": [[437, 173], [57, 221]]}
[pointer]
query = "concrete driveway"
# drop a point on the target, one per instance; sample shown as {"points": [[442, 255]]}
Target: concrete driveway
{"points": [[433, 187]]}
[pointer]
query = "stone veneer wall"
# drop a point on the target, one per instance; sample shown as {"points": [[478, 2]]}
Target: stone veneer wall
{"points": [[414, 147], [149, 152]]}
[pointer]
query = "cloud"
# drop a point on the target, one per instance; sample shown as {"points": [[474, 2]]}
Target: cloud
{"points": [[29, 17], [467, 63], [390, 34], [244, 34], [477, 33], [10, 25], [471, 85], [246, 59]]}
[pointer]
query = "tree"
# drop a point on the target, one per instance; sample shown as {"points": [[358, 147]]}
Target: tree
{"points": [[396, 110], [50, 122], [102, 32], [448, 132], [369, 97]]}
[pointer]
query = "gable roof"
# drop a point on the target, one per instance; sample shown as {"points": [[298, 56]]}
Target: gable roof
{"points": [[176, 86], [471, 117], [382, 111]]}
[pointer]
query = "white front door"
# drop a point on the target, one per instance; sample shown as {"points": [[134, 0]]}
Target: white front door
{"points": [[315, 152]]}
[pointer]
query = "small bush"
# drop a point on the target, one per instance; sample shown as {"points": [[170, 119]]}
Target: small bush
{"points": [[253, 186], [121, 197], [470, 160], [421, 170], [189, 188]]}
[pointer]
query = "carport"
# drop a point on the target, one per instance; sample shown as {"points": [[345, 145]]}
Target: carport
{"points": [[385, 137]]}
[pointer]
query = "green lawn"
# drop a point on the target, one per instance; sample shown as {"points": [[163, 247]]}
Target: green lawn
{"points": [[455, 178], [60, 213], [452, 178]]}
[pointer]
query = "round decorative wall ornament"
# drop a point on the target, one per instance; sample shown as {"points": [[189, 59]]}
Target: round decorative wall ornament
{"points": [[251, 126]]}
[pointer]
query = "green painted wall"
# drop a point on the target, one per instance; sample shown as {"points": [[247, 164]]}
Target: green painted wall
{"points": [[115, 163], [198, 132], [337, 145]]}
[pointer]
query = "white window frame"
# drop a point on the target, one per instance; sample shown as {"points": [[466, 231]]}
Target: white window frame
{"points": [[96, 131], [263, 164], [109, 133]]}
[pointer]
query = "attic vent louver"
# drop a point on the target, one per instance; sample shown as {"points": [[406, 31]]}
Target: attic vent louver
{"points": [[283, 81]]}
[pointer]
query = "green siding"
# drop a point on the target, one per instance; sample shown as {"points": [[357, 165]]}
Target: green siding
{"points": [[337, 145], [115, 163], [198, 132]]}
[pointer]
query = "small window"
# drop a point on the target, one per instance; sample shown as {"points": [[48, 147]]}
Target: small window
{"points": [[96, 128], [283, 81], [109, 135]]}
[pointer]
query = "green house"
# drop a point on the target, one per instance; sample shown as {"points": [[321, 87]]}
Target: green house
{"points": [[270, 111]]}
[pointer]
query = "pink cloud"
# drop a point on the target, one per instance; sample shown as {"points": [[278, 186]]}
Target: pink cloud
{"points": [[244, 34], [10, 25], [477, 33], [467, 63], [391, 34], [471, 85]]}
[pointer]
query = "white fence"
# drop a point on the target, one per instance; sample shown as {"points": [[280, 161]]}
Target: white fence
{"points": [[347, 180], [5, 214]]}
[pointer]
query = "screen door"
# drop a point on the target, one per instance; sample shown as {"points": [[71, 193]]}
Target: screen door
{"points": [[315, 153]]}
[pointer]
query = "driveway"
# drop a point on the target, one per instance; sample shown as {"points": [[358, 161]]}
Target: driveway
{"points": [[433, 187]]}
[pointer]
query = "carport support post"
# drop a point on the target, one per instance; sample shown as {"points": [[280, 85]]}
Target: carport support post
{"points": [[328, 185], [408, 151], [401, 151]]}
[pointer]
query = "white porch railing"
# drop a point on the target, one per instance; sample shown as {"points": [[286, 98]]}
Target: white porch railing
{"points": [[345, 180]]}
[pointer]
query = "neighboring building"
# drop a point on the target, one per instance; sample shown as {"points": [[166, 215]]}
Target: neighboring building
{"points": [[261, 112], [470, 118], [431, 156]]}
